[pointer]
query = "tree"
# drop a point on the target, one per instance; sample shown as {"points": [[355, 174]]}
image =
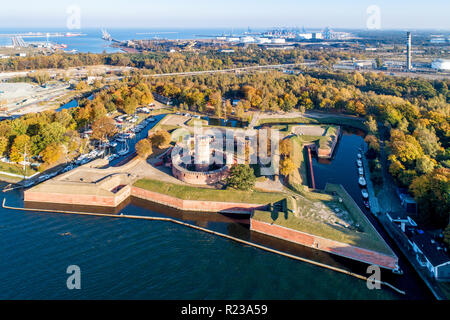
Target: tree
{"points": [[160, 138], [286, 147], [3, 145], [447, 236], [41, 77], [287, 166], [52, 153], [144, 148], [103, 128], [405, 147], [371, 125], [18, 148], [425, 164], [428, 140], [242, 177], [431, 192]]}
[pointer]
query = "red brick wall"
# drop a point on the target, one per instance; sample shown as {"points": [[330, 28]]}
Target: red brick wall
{"points": [[193, 205], [80, 199], [341, 249]]}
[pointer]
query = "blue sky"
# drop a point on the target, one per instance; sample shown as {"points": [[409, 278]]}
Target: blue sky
{"points": [[400, 14]]}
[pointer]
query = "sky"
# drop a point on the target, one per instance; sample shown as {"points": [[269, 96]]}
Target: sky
{"points": [[393, 14]]}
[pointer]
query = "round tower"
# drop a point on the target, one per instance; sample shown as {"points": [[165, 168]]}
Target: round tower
{"points": [[202, 153]]}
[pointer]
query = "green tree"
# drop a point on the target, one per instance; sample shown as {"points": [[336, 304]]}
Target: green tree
{"points": [[242, 177]]}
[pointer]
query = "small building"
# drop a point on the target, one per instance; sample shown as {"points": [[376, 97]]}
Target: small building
{"points": [[402, 219], [430, 254], [441, 64], [407, 201]]}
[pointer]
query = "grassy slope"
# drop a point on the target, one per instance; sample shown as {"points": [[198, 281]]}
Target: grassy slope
{"points": [[197, 193], [15, 169], [368, 238]]}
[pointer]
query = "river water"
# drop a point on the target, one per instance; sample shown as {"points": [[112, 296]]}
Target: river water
{"points": [[342, 169]]}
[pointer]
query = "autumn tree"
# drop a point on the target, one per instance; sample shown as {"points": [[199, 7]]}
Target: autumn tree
{"points": [[52, 153], [286, 147], [431, 191], [160, 139], [3, 145], [287, 166], [103, 128], [144, 148], [19, 145]]}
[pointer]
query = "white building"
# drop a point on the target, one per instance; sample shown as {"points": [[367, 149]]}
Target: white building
{"points": [[247, 39], [305, 36], [279, 41], [263, 40], [441, 64]]}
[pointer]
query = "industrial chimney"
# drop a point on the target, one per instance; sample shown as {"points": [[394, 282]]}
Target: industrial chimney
{"points": [[408, 51]]}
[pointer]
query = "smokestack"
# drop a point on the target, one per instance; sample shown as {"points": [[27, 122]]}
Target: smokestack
{"points": [[408, 51]]}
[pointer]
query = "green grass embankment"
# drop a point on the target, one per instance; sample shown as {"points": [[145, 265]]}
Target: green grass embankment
{"points": [[206, 194]]}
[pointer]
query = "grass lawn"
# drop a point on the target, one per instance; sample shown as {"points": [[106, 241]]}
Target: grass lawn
{"points": [[329, 119], [198, 193], [15, 169], [366, 237]]}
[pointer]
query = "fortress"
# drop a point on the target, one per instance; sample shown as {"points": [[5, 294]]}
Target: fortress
{"points": [[202, 165]]}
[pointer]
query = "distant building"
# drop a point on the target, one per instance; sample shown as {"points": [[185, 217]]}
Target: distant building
{"points": [[441, 64], [278, 40], [317, 35], [304, 36]]}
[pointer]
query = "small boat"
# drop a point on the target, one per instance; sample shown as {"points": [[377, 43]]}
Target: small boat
{"points": [[359, 163], [365, 194], [366, 204], [362, 182], [361, 171], [359, 156]]}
